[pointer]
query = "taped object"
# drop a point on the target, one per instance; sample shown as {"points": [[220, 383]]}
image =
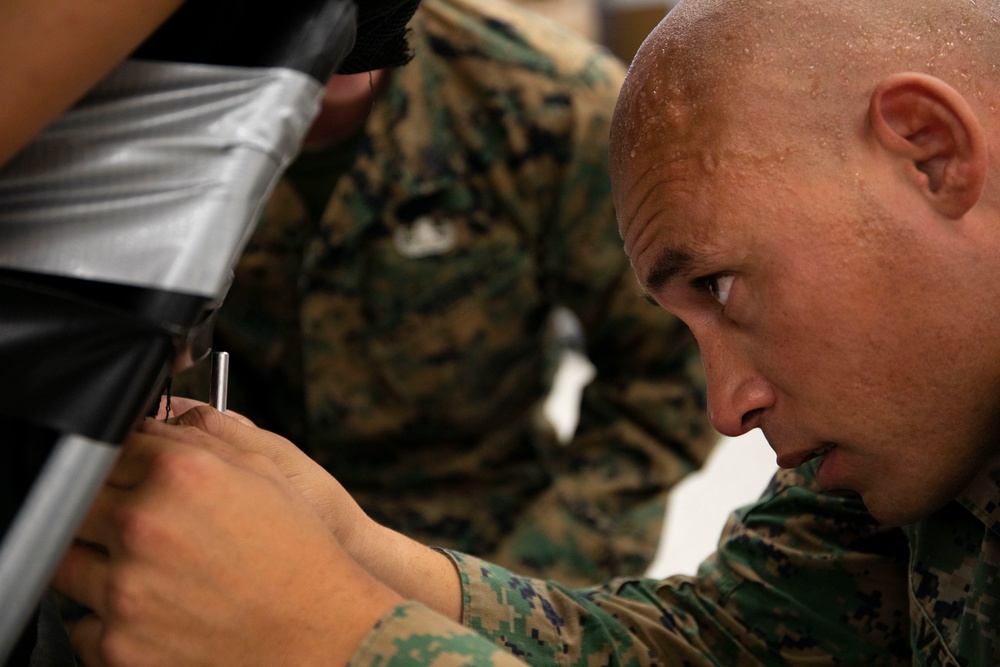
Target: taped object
{"points": [[119, 228]]}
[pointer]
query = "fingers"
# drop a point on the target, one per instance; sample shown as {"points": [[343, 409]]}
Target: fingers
{"points": [[162, 458], [178, 570], [82, 576], [151, 441], [134, 460], [186, 434], [209, 420], [246, 446], [99, 526], [234, 430], [85, 635], [179, 405]]}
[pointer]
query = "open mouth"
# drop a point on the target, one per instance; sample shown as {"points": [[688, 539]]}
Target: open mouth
{"points": [[794, 460], [822, 451]]}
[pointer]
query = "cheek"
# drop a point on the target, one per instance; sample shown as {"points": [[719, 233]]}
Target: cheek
{"points": [[817, 341]]}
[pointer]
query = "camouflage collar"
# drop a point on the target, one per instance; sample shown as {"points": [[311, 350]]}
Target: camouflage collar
{"points": [[418, 134], [982, 495]]}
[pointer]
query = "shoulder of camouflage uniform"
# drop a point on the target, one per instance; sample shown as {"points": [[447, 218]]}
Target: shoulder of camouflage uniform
{"points": [[512, 37]]}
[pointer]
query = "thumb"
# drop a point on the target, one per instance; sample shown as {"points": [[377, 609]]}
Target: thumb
{"points": [[240, 432], [180, 405]]}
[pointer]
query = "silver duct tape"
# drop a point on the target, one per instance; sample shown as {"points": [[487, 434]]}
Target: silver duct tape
{"points": [[156, 177]]}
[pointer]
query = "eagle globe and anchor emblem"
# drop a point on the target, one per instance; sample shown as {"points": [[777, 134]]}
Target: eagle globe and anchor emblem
{"points": [[424, 237]]}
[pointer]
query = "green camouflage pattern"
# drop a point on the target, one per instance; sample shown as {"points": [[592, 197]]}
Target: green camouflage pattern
{"points": [[405, 341], [801, 577]]}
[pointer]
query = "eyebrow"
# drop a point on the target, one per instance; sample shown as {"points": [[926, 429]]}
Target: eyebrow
{"points": [[667, 265]]}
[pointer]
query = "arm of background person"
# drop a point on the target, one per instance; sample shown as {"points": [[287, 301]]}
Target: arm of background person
{"points": [[54, 51], [643, 421]]}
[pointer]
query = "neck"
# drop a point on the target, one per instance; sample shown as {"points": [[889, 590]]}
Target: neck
{"points": [[347, 101]]}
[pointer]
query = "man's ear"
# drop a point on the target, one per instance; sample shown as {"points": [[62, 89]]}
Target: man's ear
{"points": [[927, 122]]}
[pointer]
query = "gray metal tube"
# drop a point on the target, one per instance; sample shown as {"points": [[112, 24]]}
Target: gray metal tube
{"points": [[44, 527], [219, 392]]}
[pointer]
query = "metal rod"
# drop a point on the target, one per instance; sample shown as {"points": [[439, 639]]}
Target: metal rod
{"points": [[44, 527], [220, 381]]}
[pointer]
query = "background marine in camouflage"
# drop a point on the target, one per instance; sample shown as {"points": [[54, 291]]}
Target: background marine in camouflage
{"points": [[392, 314]]}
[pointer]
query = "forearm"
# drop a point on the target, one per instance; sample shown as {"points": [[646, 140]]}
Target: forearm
{"points": [[53, 52]]}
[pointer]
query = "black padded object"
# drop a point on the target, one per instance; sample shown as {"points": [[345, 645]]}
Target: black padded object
{"points": [[310, 36], [241, 33], [89, 358], [381, 40]]}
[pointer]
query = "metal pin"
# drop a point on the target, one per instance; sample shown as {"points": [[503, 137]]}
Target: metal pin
{"points": [[220, 381]]}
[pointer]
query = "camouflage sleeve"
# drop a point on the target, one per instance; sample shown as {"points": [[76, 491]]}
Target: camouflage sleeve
{"points": [[643, 422], [413, 635], [801, 577]]}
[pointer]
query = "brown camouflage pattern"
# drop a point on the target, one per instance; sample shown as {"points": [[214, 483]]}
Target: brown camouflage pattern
{"points": [[418, 381]]}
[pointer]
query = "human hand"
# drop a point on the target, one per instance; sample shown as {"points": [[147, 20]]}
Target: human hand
{"points": [[202, 553], [408, 567], [231, 432]]}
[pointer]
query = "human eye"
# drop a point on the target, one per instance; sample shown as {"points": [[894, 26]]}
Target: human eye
{"points": [[717, 284]]}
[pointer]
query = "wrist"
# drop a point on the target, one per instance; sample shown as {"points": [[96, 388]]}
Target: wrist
{"points": [[416, 572]]}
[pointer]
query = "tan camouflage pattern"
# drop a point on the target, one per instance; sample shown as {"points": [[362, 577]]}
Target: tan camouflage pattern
{"points": [[801, 577], [404, 340]]}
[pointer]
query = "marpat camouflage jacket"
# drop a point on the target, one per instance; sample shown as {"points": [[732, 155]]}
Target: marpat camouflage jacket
{"points": [[404, 340], [801, 577]]}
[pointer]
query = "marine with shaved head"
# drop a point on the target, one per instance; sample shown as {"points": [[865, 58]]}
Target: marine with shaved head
{"points": [[820, 231], [813, 188]]}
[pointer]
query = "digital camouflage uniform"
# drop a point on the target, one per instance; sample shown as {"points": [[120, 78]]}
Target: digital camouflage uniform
{"points": [[801, 577], [404, 339]]}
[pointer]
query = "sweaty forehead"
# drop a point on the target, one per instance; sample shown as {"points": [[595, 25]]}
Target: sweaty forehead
{"points": [[667, 211], [670, 115], [674, 150], [667, 148], [679, 207]]}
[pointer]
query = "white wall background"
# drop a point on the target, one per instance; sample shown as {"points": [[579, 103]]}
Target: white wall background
{"points": [[735, 475]]}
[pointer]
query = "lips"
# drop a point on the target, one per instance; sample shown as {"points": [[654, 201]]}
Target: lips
{"points": [[795, 459]]}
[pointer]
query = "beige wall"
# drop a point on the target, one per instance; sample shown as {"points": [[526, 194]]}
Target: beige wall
{"points": [[578, 15], [619, 24], [626, 24]]}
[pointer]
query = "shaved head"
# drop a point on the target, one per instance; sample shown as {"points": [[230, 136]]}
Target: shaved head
{"points": [[718, 70], [812, 187]]}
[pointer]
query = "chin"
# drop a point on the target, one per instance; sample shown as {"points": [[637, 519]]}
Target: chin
{"points": [[893, 513]]}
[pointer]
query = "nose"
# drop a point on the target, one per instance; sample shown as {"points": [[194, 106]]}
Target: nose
{"points": [[738, 395]]}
